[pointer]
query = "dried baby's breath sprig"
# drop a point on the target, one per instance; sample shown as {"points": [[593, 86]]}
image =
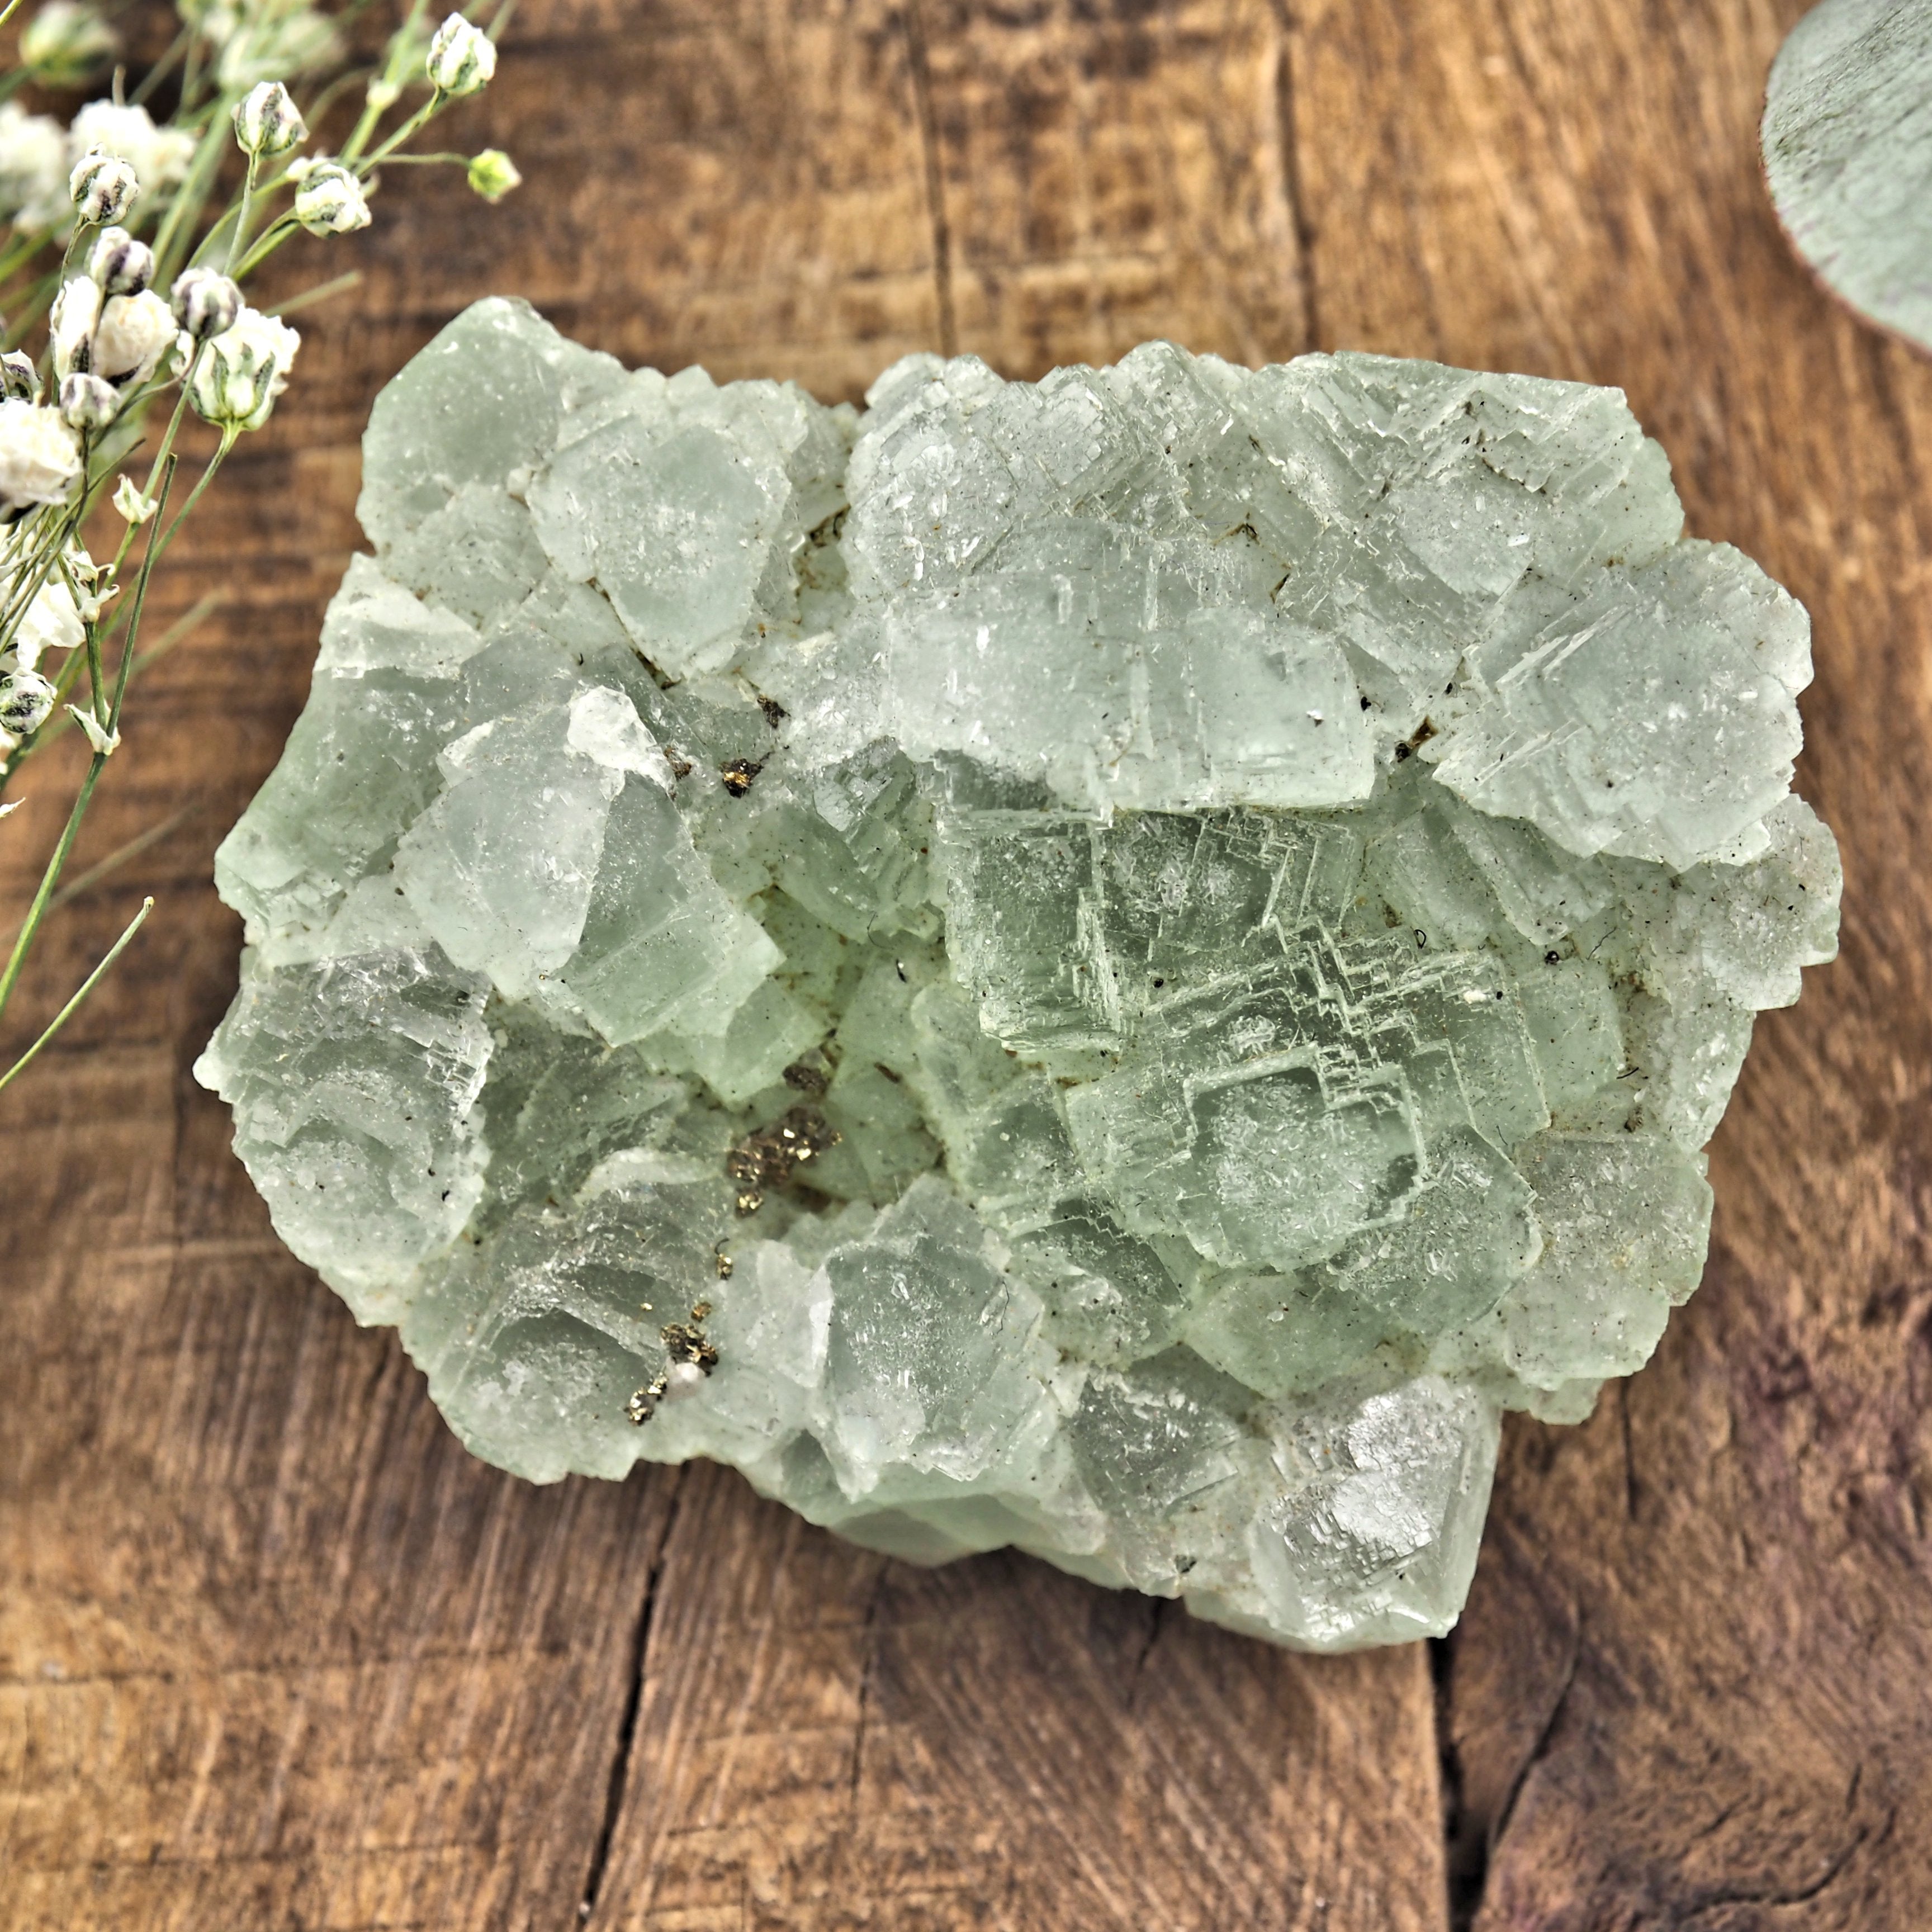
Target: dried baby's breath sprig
{"points": [[116, 241]]}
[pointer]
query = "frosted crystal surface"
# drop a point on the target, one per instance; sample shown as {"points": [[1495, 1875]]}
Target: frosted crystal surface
{"points": [[1117, 966], [1847, 139]]}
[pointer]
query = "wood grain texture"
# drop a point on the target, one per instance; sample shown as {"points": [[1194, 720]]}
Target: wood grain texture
{"points": [[275, 1654]]}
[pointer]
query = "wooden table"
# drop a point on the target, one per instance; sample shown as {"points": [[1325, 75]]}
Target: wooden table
{"points": [[274, 1653]]}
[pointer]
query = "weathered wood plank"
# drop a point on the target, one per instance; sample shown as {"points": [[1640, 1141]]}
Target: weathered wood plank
{"points": [[274, 1652]]}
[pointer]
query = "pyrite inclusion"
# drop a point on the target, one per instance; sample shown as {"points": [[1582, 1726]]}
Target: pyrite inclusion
{"points": [[1116, 966]]}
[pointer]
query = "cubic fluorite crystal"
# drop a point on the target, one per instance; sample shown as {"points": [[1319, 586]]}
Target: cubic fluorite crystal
{"points": [[1116, 965]]}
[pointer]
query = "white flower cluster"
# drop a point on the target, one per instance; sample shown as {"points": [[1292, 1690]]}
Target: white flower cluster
{"points": [[111, 334], [265, 40], [113, 151]]}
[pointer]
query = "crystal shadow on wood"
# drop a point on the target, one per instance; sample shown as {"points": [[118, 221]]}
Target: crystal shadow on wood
{"points": [[1116, 966]]}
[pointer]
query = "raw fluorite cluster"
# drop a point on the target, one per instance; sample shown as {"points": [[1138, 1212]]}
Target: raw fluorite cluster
{"points": [[1116, 965]]}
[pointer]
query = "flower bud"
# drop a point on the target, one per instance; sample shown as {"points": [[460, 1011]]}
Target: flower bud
{"points": [[120, 265], [65, 43], [492, 174], [26, 702], [103, 187], [19, 380], [267, 120], [238, 375], [71, 322], [461, 58], [330, 200], [205, 302], [88, 402]]}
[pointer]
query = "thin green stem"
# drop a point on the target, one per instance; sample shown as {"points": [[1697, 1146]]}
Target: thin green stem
{"points": [[92, 628], [50, 878], [22, 252], [417, 121], [156, 544], [30, 580], [143, 661], [105, 868], [340, 85], [192, 196], [236, 240], [404, 48], [38, 911], [321, 292], [86, 986], [283, 228], [162, 68], [191, 72]]}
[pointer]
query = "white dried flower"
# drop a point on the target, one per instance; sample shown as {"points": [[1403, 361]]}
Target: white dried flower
{"points": [[121, 265], [103, 740], [330, 200], [133, 334], [19, 378], [492, 174], [267, 120], [88, 402], [102, 186], [70, 324], [133, 507], [26, 701], [40, 458], [64, 42], [462, 59], [242, 371], [159, 156], [272, 43], [205, 302], [33, 169], [50, 622], [384, 93]]}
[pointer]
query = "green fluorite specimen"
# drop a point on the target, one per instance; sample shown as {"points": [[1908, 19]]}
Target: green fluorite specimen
{"points": [[1847, 139], [1116, 966]]}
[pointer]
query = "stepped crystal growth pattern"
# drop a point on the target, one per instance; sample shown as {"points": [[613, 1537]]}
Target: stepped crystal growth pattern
{"points": [[1116, 965]]}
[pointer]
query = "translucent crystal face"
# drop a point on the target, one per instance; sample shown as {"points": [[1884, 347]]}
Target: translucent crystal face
{"points": [[1116, 966]]}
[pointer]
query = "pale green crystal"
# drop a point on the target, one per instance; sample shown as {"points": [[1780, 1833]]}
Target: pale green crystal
{"points": [[1244, 895], [1847, 140]]}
